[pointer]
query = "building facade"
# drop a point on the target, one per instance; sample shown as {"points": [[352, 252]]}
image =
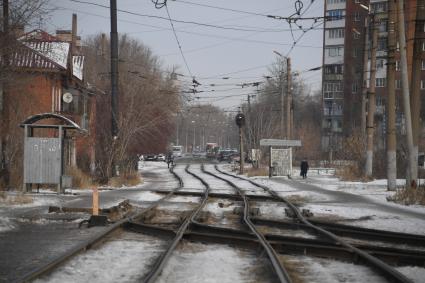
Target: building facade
{"points": [[346, 38]]}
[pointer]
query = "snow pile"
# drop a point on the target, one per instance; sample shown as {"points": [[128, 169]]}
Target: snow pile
{"points": [[148, 196]]}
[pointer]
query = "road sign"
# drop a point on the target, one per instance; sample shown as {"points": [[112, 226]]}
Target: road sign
{"points": [[276, 142]]}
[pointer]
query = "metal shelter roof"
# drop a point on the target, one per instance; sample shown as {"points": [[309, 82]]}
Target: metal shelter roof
{"points": [[68, 122]]}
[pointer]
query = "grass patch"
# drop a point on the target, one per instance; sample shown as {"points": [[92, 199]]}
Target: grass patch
{"points": [[252, 172], [409, 196], [126, 180], [352, 173], [79, 178]]}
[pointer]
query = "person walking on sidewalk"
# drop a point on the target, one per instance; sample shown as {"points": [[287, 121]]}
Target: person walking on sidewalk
{"points": [[304, 168]]}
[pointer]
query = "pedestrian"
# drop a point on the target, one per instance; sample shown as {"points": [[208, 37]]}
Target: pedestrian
{"points": [[170, 159], [304, 168]]}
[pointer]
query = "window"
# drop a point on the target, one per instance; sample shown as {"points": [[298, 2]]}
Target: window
{"points": [[383, 26], [355, 52], [423, 46], [380, 63], [379, 7], [422, 84], [397, 65], [382, 44], [398, 84], [335, 51], [332, 90], [380, 82], [423, 65], [334, 69], [356, 16], [354, 87], [356, 35], [335, 15], [336, 33]]}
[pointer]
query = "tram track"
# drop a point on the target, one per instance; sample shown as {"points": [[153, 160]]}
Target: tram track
{"points": [[192, 228], [384, 269]]}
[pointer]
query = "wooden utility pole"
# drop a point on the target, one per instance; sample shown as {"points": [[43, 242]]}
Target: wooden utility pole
{"points": [[288, 99], [114, 68], [371, 100], [412, 174], [415, 98], [365, 76], [391, 111]]}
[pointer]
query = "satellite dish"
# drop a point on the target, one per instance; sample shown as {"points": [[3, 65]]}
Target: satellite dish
{"points": [[67, 97]]}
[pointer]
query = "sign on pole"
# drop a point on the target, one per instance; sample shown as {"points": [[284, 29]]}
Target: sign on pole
{"points": [[276, 142]]}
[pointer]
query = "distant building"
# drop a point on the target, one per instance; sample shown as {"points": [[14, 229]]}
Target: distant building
{"points": [[343, 49]]}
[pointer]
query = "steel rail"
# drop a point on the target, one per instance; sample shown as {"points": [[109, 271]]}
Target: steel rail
{"points": [[283, 244], [349, 231], [271, 253], [162, 260], [389, 272], [86, 245]]}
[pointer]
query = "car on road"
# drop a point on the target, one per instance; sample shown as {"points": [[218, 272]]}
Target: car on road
{"points": [[151, 157], [160, 157]]}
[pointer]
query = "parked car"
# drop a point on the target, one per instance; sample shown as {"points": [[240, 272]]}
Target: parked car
{"points": [[151, 157], [161, 157]]}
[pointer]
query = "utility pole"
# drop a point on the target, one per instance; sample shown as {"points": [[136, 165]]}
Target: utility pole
{"points": [[412, 174], [282, 104], [415, 98], [391, 116], [289, 98], [371, 100], [114, 68], [365, 76]]}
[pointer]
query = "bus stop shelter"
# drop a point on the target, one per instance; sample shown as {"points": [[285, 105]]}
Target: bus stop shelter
{"points": [[44, 156]]}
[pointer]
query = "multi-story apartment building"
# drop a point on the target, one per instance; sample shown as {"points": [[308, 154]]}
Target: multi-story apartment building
{"points": [[344, 44]]}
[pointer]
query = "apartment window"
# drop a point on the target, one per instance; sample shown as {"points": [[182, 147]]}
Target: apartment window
{"points": [[335, 15], [380, 82], [379, 7], [332, 90], [356, 16], [334, 69], [383, 26], [380, 63], [335, 51], [398, 84], [422, 84], [423, 46], [336, 33], [356, 35], [382, 44], [379, 100], [423, 64], [397, 65], [356, 52], [354, 87], [357, 1]]}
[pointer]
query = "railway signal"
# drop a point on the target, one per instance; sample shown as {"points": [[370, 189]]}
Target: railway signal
{"points": [[240, 121]]}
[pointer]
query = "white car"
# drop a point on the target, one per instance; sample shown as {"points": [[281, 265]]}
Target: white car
{"points": [[161, 157]]}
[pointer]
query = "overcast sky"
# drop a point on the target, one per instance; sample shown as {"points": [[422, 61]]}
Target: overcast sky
{"points": [[233, 42]]}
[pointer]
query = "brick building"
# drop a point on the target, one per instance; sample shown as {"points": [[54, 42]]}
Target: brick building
{"points": [[343, 50], [42, 70]]}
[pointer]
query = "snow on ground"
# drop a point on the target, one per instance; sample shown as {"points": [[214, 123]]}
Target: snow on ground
{"points": [[123, 260], [148, 196], [318, 270], [195, 200], [208, 263], [6, 224], [416, 274], [369, 217]]}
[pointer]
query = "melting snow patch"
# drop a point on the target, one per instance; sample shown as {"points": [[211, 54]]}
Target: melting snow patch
{"points": [[416, 274], [124, 260], [148, 196], [6, 224], [212, 263]]}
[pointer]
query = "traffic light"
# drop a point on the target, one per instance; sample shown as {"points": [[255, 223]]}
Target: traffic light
{"points": [[240, 119]]}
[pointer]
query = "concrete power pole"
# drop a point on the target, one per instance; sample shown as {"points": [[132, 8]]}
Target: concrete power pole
{"points": [[415, 98], [391, 117], [371, 109], [365, 76], [288, 99], [412, 175]]}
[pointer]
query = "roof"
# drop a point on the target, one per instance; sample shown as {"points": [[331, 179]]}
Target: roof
{"points": [[47, 52], [35, 118]]}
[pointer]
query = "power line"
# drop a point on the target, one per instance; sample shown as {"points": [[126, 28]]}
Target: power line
{"points": [[175, 35]]}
